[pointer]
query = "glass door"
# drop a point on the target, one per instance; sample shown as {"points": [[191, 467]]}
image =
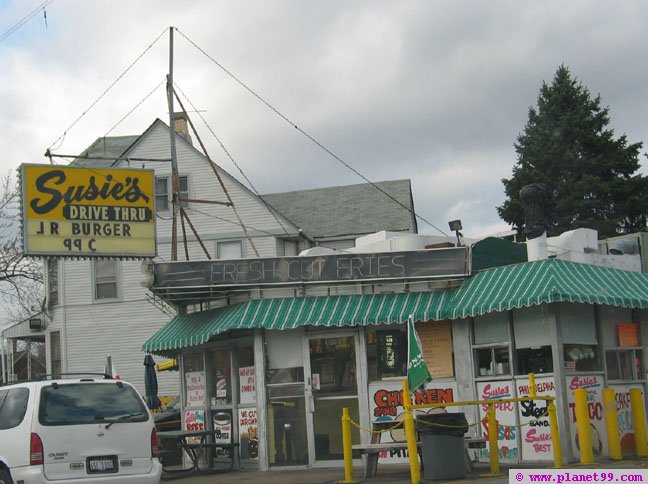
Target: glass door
{"points": [[331, 384]]}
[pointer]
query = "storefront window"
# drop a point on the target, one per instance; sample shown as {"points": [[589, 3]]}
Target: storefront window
{"points": [[578, 331], [532, 333], [534, 360], [195, 385], [247, 378], [221, 389], [625, 360], [386, 353], [624, 364], [193, 362], [491, 344], [582, 358], [492, 361]]}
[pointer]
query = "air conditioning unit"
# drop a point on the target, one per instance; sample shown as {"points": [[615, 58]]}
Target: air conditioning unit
{"points": [[36, 324]]}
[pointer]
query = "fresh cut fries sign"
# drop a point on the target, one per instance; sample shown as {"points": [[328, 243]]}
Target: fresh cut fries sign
{"points": [[87, 212]]}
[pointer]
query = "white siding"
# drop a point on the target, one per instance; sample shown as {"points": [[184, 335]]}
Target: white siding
{"points": [[210, 220], [119, 330], [91, 330]]}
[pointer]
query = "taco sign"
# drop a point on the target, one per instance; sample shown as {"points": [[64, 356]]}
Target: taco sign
{"points": [[83, 212]]}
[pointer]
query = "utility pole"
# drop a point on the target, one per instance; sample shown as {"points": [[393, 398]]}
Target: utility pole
{"points": [[175, 188]]}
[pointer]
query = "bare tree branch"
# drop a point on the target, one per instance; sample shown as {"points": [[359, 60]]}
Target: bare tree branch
{"points": [[21, 278]]}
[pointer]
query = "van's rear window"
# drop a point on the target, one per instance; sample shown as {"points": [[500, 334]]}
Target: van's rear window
{"points": [[82, 403]]}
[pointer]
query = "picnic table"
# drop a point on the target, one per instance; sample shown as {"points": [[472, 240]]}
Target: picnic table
{"points": [[373, 449], [196, 443]]}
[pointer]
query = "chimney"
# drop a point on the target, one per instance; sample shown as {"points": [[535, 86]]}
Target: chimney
{"points": [[181, 125]]}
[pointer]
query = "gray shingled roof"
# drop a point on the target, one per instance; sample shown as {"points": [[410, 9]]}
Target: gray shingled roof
{"points": [[105, 147], [322, 212], [353, 209]]}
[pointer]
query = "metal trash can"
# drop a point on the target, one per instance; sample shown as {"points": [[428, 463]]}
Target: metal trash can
{"points": [[442, 445]]}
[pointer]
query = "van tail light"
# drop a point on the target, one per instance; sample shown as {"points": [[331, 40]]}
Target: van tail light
{"points": [[155, 450], [35, 450]]}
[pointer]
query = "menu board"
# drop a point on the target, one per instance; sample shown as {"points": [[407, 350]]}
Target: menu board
{"points": [[247, 420], [436, 340], [194, 420], [195, 381], [535, 433], [624, 417], [386, 405], [222, 421], [221, 383], [628, 334], [247, 385], [507, 437], [593, 384]]}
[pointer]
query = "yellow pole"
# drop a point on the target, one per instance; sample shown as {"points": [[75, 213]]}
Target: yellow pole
{"points": [[612, 423], [583, 426], [346, 446], [555, 434], [639, 422], [493, 431], [408, 423], [532, 385]]}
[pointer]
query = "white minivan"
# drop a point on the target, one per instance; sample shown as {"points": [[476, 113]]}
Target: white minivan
{"points": [[81, 430]]}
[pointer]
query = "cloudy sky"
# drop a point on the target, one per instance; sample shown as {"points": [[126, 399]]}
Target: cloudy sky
{"points": [[434, 91]]}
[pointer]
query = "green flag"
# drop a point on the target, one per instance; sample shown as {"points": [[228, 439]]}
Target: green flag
{"points": [[417, 370]]}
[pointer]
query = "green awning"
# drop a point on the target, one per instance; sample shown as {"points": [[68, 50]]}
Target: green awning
{"points": [[286, 313], [192, 329], [497, 289], [548, 281]]}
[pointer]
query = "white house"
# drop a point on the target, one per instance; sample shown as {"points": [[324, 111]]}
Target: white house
{"points": [[99, 307]]}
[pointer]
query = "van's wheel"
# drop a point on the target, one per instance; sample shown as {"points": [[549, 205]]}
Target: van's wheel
{"points": [[4, 477]]}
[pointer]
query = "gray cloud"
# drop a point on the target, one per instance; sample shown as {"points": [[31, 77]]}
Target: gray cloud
{"points": [[432, 91]]}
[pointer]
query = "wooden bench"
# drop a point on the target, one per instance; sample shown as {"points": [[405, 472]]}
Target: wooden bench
{"points": [[373, 449]]}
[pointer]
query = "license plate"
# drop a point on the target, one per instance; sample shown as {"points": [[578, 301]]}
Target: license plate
{"points": [[102, 464]]}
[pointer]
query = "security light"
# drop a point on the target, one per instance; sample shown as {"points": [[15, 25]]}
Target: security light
{"points": [[455, 225]]}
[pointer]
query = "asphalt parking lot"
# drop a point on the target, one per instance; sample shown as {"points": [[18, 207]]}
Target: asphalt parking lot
{"points": [[393, 474]]}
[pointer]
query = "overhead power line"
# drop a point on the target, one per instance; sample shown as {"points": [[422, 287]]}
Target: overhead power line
{"points": [[26, 19], [273, 211], [62, 137], [306, 134], [135, 107]]}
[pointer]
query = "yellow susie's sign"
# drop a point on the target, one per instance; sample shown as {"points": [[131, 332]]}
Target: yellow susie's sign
{"points": [[87, 212]]}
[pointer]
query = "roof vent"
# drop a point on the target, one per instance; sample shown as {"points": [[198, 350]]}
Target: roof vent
{"points": [[624, 247]]}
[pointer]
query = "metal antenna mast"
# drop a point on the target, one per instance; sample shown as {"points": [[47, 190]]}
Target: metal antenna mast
{"points": [[178, 209]]}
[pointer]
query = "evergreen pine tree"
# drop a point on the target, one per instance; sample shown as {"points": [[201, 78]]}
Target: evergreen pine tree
{"points": [[590, 176]]}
